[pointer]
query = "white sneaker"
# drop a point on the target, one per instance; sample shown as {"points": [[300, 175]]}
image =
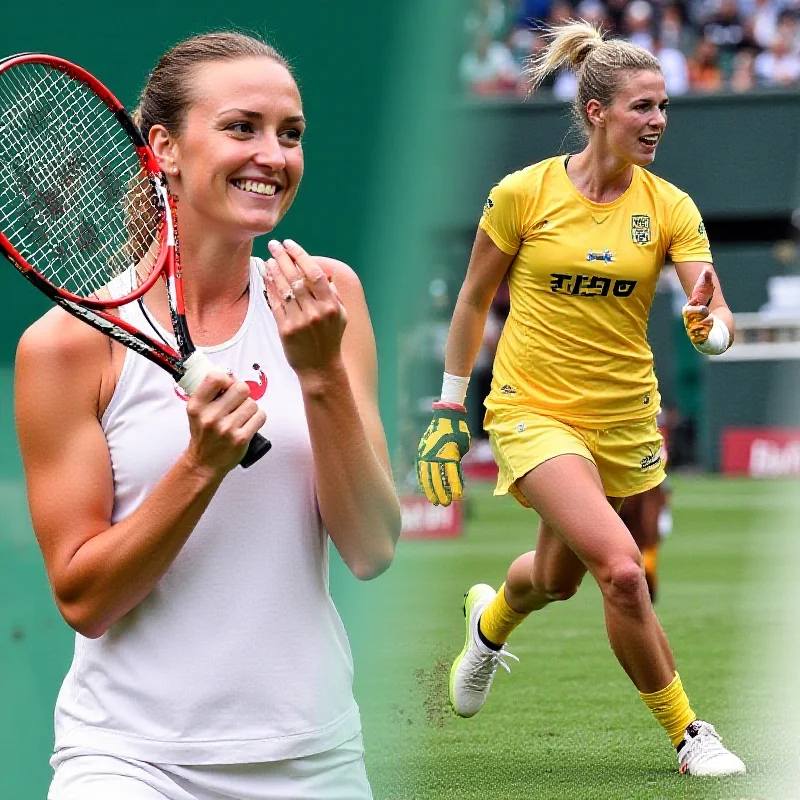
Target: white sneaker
{"points": [[473, 671], [703, 754]]}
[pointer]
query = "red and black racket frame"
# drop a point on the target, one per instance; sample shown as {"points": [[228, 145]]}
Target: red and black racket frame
{"points": [[96, 312], [109, 324]]}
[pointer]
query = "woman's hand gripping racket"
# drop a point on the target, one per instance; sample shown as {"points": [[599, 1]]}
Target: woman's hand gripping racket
{"points": [[85, 214]]}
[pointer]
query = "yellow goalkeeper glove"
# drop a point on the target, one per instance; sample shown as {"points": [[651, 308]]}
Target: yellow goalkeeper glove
{"points": [[440, 451], [707, 332]]}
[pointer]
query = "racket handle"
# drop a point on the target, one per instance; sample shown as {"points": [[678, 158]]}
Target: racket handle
{"points": [[198, 365], [259, 446]]}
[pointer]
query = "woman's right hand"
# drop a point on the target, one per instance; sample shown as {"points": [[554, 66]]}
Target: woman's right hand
{"points": [[223, 418], [439, 454]]}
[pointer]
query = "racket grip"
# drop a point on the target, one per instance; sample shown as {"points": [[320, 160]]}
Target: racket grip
{"points": [[259, 446], [198, 365]]}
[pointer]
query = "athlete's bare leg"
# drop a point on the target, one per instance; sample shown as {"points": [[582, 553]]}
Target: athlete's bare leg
{"points": [[550, 573], [567, 493], [640, 514]]}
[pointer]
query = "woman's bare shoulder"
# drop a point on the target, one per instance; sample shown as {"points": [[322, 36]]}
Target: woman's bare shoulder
{"points": [[59, 350], [60, 336], [341, 274]]}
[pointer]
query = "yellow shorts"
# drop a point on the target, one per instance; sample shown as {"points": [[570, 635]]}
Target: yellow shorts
{"points": [[628, 457]]}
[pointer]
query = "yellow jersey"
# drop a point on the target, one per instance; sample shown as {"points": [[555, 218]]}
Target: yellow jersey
{"points": [[574, 346]]}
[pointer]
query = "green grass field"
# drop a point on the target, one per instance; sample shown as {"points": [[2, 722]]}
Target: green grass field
{"points": [[567, 723]]}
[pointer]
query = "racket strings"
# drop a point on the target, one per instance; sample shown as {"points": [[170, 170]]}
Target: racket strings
{"points": [[74, 199], [61, 163], [62, 168]]}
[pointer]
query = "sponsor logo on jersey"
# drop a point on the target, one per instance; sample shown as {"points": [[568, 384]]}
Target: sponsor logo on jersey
{"points": [[646, 400], [640, 229], [701, 228], [508, 389], [590, 285], [650, 460], [488, 205], [257, 387], [606, 256]]}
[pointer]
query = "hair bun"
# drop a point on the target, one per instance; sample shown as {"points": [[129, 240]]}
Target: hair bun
{"points": [[581, 49], [569, 46]]}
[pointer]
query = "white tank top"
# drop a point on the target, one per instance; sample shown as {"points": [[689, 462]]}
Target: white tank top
{"points": [[238, 655]]}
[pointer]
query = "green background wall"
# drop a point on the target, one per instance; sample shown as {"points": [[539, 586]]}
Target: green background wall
{"points": [[373, 76], [736, 155]]}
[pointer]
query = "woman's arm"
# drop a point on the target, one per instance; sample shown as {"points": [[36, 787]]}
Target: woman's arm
{"points": [[337, 370], [99, 571], [446, 439], [488, 265]]}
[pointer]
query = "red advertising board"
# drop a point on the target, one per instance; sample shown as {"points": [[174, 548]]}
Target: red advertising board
{"points": [[423, 520], [479, 462], [761, 452]]}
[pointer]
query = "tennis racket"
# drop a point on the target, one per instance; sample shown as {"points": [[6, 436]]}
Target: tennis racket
{"points": [[85, 213]]}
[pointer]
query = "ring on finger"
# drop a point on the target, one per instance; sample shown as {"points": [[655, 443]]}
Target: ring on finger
{"points": [[288, 296]]}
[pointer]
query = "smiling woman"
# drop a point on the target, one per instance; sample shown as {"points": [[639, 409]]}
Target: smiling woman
{"points": [[571, 415], [210, 660], [245, 125]]}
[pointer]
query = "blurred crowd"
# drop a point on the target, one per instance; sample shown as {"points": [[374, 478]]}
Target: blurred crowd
{"points": [[703, 45]]}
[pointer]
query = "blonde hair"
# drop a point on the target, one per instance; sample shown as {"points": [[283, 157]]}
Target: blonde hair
{"points": [[596, 61]]}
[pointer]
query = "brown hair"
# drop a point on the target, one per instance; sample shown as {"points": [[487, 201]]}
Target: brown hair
{"points": [[596, 61], [166, 96]]}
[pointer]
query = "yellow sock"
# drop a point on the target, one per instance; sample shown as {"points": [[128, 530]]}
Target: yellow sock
{"points": [[650, 560], [499, 619], [671, 709]]}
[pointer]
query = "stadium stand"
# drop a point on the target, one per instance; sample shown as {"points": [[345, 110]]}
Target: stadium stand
{"points": [[703, 45]]}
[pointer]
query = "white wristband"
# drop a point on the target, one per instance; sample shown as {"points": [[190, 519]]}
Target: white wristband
{"points": [[454, 389], [719, 339]]}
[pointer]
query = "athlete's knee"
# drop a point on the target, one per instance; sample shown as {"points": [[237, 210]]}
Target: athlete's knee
{"points": [[623, 583]]}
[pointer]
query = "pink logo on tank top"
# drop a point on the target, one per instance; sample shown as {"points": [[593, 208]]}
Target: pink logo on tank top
{"points": [[257, 387]]}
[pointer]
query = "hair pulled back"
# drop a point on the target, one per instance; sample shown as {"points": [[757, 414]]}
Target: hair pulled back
{"points": [[167, 95], [597, 62]]}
